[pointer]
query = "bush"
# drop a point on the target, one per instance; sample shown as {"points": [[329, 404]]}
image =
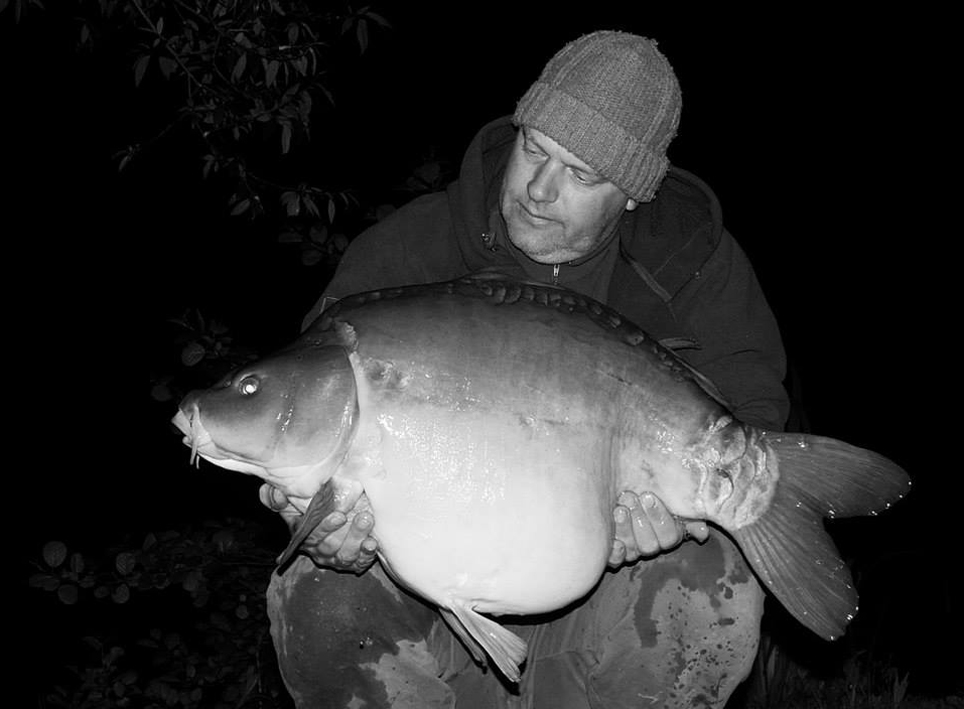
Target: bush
{"points": [[176, 621]]}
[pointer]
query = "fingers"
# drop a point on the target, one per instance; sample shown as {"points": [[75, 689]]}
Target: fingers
{"points": [[617, 555], [667, 532], [644, 527], [645, 541], [335, 543], [624, 543], [272, 498]]}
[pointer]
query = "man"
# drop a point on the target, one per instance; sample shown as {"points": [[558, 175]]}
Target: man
{"points": [[574, 190]]}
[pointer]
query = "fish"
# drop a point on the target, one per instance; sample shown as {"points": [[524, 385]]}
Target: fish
{"points": [[492, 423]]}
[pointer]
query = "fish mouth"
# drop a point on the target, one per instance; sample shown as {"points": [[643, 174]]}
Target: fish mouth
{"points": [[196, 436], [203, 445]]}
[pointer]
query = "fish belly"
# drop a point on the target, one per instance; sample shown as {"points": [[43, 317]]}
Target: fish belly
{"points": [[505, 516]]}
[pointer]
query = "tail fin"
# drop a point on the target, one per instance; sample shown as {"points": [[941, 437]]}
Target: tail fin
{"points": [[788, 546]]}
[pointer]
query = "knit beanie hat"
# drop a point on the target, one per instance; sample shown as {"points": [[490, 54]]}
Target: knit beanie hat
{"points": [[612, 100]]}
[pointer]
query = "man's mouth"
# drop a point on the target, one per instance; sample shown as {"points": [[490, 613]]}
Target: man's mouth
{"points": [[532, 217]]}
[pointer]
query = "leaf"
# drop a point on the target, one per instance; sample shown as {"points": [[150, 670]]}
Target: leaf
{"points": [[377, 18], [55, 553], [319, 235], [331, 211], [192, 353], [191, 582], [310, 256], [223, 539], [161, 391], [209, 162], [140, 66], [328, 94], [121, 594], [68, 594], [241, 207], [239, 67], [271, 72], [167, 66], [77, 563], [285, 137], [44, 581], [160, 26], [149, 541], [362, 33], [305, 105], [291, 202], [125, 563], [114, 654]]}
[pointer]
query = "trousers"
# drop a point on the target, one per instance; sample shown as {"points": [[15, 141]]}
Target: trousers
{"points": [[679, 630]]}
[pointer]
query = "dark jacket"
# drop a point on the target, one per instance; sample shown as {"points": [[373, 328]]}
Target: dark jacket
{"points": [[673, 270]]}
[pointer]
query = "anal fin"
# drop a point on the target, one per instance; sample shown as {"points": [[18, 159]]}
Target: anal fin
{"points": [[477, 632]]}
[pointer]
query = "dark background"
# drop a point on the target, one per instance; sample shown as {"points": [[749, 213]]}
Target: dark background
{"points": [[820, 133]]}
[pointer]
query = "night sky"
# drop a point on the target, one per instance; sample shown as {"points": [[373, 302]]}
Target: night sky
{"points": [[816, 132]]}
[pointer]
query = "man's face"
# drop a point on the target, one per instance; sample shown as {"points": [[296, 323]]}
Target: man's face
{"points": [[556, 208]]}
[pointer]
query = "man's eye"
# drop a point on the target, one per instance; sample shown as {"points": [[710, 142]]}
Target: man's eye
{"points": [[584, 179]]}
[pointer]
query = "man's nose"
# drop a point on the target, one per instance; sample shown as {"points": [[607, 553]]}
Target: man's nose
{"points": [[543, 187]]}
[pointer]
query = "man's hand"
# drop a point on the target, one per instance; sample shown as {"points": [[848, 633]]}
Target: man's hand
{"points": [[336, 542], [645, 528]]}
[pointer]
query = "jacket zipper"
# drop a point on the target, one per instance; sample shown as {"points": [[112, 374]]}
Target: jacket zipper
{"points": [[555, 274]]}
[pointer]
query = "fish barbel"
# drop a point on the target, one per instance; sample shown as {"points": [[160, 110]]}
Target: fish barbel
{"points": [[482, 413]]}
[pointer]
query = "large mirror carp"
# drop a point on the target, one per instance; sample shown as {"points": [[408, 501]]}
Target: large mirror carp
{"points": [[492, 425]]}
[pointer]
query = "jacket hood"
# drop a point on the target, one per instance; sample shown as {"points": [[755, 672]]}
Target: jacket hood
{"points": [[474, 196]]}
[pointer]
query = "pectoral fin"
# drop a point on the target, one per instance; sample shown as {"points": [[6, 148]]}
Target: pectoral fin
{"points": [[321, 505], [477, 632]]}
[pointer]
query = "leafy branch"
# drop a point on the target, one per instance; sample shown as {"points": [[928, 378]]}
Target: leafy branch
{"points": [[252, 78]]}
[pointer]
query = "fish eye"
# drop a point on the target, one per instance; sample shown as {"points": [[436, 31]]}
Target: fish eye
{"points": [[249, 385]]}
